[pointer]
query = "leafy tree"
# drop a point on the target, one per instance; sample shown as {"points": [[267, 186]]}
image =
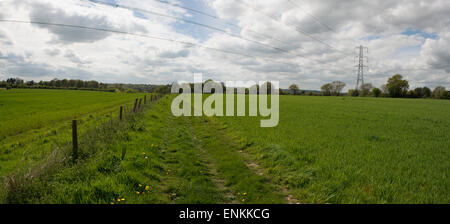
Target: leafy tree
{"points": [[439, 92], [30, 83], [366, 89], [327, 89], [294, 89], [337, 87], [163, 89], [426, 92], [14, 81], [376, 92], [411, 94], [418, 92], [396, 86], [384, 90]]}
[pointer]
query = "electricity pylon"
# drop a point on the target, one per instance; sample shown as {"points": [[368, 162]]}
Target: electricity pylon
{"points": [[361, 66]]}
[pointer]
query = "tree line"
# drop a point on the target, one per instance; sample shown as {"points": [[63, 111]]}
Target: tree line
{"points": [[57, 83], [396, 87], [77, 84]]}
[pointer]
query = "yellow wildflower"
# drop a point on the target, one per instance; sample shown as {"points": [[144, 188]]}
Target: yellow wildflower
{"points": [[147, 188], [137, 192], [243, 200], [112, 203], [123, 199], [244, 193], [140, 185], [118, 200]]}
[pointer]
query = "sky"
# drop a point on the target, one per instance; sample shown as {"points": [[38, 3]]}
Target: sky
{"points": [[306, 42]]}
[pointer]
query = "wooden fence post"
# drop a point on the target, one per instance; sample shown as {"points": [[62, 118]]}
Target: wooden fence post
{"points": [[145, 99], [139, 105], [121, 111], [135, 105], [74, 140]]}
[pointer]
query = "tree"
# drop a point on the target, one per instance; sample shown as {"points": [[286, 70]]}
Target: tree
{"points": [[337, 87], [30, 83], [384, 90], [366, 89], [439, 92], [418, 92], [352, 92], [327, 89], [294, 89], [426, 92], [411, 94], [376, 92], [396, 86], [14, 81]]}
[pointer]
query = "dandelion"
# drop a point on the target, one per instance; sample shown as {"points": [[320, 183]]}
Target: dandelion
{"points": [[137, 192], [147, 188], [112, 203], [118, 200], [243, 200], [123, 199], [140, 185], [244, 194], [143, 153]]}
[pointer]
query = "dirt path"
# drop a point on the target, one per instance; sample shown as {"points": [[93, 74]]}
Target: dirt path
{"points": [[256, 168], [212, 168]]}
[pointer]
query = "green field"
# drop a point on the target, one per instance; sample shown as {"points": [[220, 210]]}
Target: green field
{"points": [[324, 150], [22, 109], [34, 122]]}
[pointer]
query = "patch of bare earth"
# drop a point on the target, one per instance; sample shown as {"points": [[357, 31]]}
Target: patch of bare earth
{"points": [[260, 171]]}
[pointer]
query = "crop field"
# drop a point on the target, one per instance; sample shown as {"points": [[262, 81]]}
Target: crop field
{"points": [[34, 121], [23, 110], [324, 150]]}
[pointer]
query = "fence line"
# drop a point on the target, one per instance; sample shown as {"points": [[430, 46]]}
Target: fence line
{"points": [[123, 110]]}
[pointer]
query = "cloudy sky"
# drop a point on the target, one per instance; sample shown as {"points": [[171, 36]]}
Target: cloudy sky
{"points": [[307, 42]]}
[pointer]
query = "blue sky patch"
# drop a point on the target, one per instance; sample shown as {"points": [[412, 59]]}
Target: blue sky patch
{"points": [[411, 32], [198, 32]]}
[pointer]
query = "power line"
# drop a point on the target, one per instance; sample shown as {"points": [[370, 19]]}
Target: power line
{"points": [[141, 35], [207, 26], [197, 24], [220, 19], [292, 26], [311, 15]]}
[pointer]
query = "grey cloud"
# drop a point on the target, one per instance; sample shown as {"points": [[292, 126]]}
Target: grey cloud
{"points": [[18, 65], [75, 58], [272, 67], [4, 39], [49, 14], [440, 60], [52, 52], [175, 54], [437, 52]]}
